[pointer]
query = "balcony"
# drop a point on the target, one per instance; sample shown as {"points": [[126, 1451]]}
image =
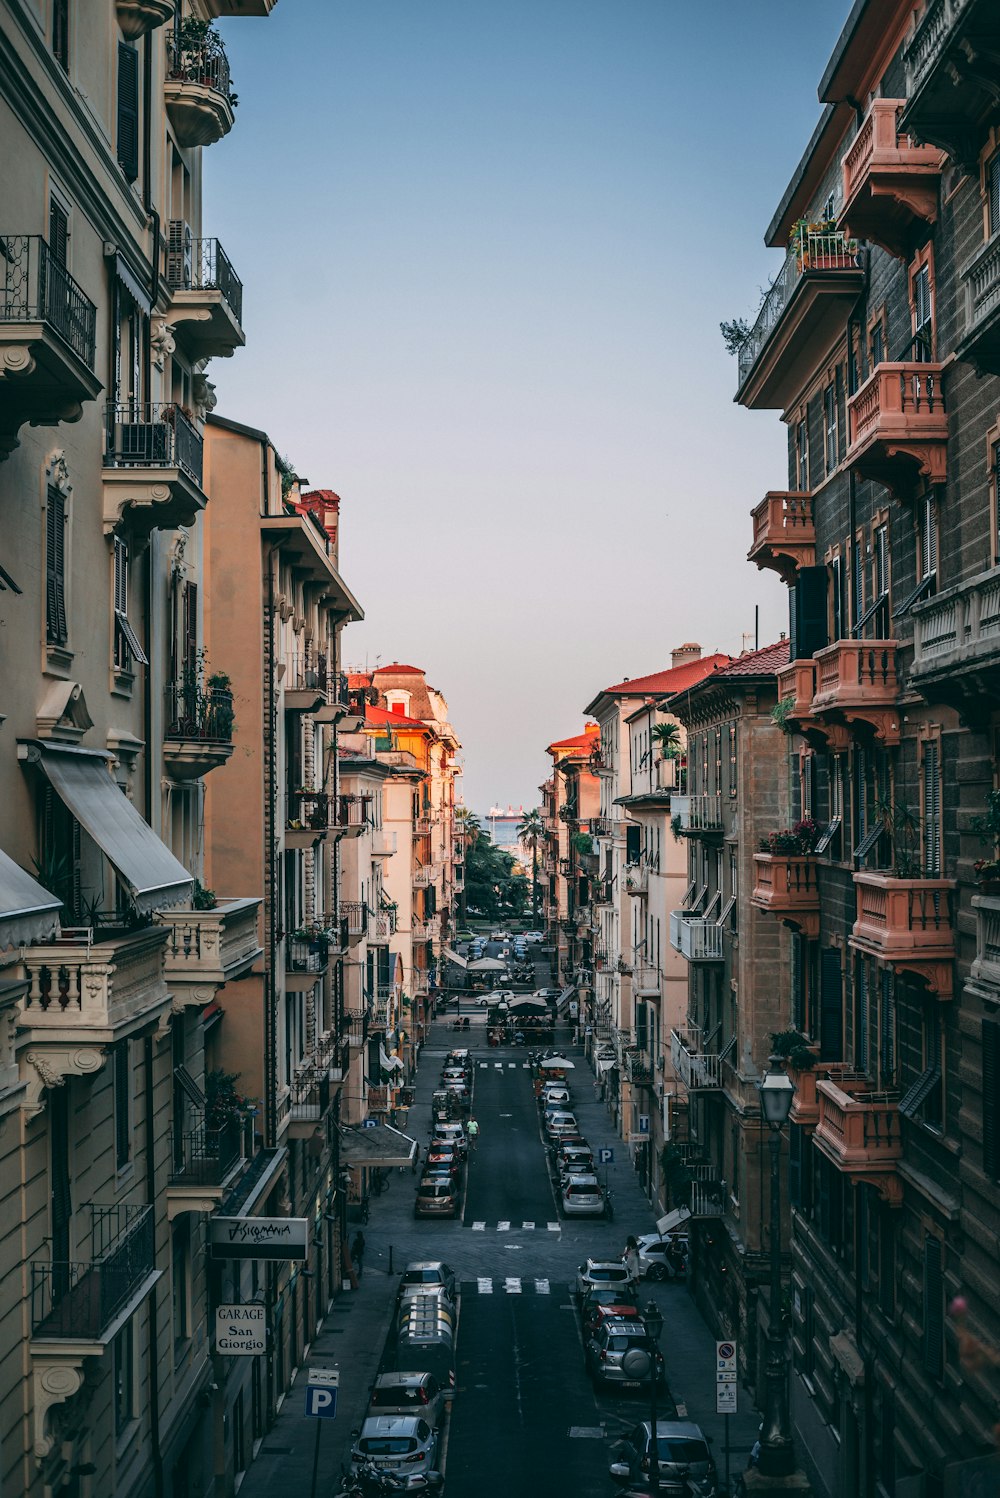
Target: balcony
{"points": [[84, 1301], [198, 736], [421, 931], [784, 533], [696, 1068], [984, 975], [152, 473], [787, 886], [205, 1162], [956, 645], [907, 924], [859, 1131], [350, 815], [137, 17], [207, 948], [206, 295], [198, 93], [806, 307], [708, 1192], [307, 818], [424, 875], [698, 812], [383, 844], [645, 981], [354, 915], [637, 1067], [307, 957], [890, 182], [84, 995], [797, 681], [600, 826], [856, 682], [897, 427], [381, 925], [306, 684], [695, 939], [950, 77], [637, 880], [354, 1028], [423, 826], [48, 330], [980, 342], [312, 1093]]}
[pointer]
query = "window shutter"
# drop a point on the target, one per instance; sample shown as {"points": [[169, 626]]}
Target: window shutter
{"points": [[58, 232], [928, 537], [932, 811], [798, 983], [831, 1039], [809, 629], [837, 595], [857, 580], [841, 413], [128, 110], [887, 1027], [933, 1308], [55, 568], [861, 1014], [991, 1098], [795, 1143]]}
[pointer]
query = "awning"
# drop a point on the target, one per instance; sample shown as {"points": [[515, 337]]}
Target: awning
{"points": [[556, 1063], [672, 1221], [487, 965], [382, 1145], [81, 780], [534, 1006], [565, 998], [451, 956], [387, 1062], [27, 911], [605, 1063]]}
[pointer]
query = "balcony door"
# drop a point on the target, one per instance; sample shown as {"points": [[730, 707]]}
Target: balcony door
{"points": [[61, 1190]]}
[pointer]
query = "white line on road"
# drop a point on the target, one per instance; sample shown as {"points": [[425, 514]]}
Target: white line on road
{"points": [[541, 1287], [479, 1227], [485, 1286], [512, 1286], [484, 1065], [503, 1227], [512, 1066], [527, 1227], [498, 1066], [554, 1227]]}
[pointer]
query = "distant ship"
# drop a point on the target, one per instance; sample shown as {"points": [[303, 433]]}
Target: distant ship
{"points": [[502, 823]]}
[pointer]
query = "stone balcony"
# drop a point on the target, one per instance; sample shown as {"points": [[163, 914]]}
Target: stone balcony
{"points": [[83, 996], [898, 427], [956, 646], [137, 17], [637, 880], [984, 975], [890, 182], [697, 1068], [695, 939], [206, 295], [950, 77], [856, 683], [207, 948], [48, 339], [980, 342], [698, 812], [637, 1067], [784, 533], [206, 1161], [198, 94], [907, 924], [645, 981], [859, 1131], [152, 467], [787, 885]]}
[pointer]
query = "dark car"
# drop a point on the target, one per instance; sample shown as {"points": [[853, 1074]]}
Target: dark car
{"points": [[622, 1352], [684, 1459], [595, 1303], [446, 1156]]}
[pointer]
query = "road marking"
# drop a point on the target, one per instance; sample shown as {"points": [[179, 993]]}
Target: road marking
{"points": [[506, 1115], [512, 1286], [512, 1066], [541, 1287], [525, 1065], [485, 1286], [484, 1065], [554, 1227], [479, 1227], [586, 1432], [498, 1066], [503, 1227], [527, 1227]]}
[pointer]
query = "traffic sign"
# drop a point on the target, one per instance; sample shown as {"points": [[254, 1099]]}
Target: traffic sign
{"points": [[725, 1378], [605, 1157], [322, 1389], [725, 1399]]}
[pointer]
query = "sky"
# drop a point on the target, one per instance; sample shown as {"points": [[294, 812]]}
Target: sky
{"points": [[485, 251]]}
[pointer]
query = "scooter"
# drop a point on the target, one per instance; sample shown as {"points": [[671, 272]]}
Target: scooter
{"points": [[368, 1481]]}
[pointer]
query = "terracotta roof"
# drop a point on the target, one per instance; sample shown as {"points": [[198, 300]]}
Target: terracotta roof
{"points": [[766, 661], [584, 740], [663, 683], [359, 679], [398, 670], [378, 717]]}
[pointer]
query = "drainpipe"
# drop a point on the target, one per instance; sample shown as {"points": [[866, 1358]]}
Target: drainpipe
{"points": [[154, 1352], [270, 983]]}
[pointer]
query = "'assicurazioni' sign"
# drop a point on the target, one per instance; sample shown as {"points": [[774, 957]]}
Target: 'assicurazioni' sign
{"points": [[258, 1237]]}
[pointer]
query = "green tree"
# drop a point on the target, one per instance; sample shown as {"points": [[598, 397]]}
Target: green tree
{"points": [[530, 832]]}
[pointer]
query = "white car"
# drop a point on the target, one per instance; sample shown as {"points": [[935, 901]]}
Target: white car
{"points": [[602, 1274], [533, 936], [662, 1258], [581, 1196], [547, 993]]}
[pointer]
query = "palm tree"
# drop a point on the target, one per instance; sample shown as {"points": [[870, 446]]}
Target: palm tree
{"points": [[470, 829], [668, 738], [530, 831]]}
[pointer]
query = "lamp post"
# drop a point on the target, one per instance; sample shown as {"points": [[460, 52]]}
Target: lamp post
{"points": [[777, 1454], [653, 1317]]}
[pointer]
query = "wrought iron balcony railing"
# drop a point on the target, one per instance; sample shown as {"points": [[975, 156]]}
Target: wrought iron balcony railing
{"points": [[204, 1156], [197, 712], [152, 434], [307, 954], [78, 1300], [815, 252], [36, 287], [202, 265]]}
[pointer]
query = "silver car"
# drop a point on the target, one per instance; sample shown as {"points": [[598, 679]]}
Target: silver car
{"points": [[405, 1445], [685, 1462], [408, 1394], [581, 1196]]}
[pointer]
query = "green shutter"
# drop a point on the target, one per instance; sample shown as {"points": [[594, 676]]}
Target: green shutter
{"points": [[933, 1345], [128, 110], [831, 1028], [932, 811]]}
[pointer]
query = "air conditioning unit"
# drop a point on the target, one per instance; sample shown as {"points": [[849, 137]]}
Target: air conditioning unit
{"points": [[180, 254]]}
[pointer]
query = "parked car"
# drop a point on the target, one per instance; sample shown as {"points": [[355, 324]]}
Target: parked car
{"points": [[622, 1352], [437, 1196], [662, 1258], [455, 1074], [547, 993], [429, 1272], [554, 1094], [581, 1196], [598, 1305], [684, 1459], [408, 1394], [577, 1158], [452, 1133], [559, 1124], [534, 936], [602, 1274], [405, 1445], [446, 1157]]}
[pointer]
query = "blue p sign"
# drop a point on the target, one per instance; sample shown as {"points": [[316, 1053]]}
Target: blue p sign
{"points": [[321, 1402]]}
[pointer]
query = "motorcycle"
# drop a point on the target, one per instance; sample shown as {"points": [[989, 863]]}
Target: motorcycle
{"points": [[366, 1480]]}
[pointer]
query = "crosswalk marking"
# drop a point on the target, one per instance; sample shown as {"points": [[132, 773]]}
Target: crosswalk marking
{"points": [[512, 1066], [498, 1066], [527, 1227], [485, 1286], [541, 1287], [515, 1284], [503, 1227], [484, 1065], [479, 1227], [512, 1286], [554, 1227]]}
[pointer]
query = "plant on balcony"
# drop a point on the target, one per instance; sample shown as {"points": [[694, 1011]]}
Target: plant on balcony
{"points": [[667, 739], [795, 1049], [199, 46], [901, 828], [987, 829], [202, 898], [583, 843], [781, 712], [795, 842], [675, 827], [223, 1100], [735, 334]]}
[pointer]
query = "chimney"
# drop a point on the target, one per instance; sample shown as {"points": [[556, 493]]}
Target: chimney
{"points": [[685, 653]]}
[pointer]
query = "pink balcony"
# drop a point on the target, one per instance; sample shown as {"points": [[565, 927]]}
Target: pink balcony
{"points": [[856, 682], [907, 924], [797, 680], [786, 885], [805, 1103], [890, 183], [898, 427], [859, 1131], [784, 533]]}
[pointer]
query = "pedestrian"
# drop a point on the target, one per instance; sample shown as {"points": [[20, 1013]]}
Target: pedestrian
{"points": [[416, 1159], [631, 1257], [472, 1128], [358, 1253]]}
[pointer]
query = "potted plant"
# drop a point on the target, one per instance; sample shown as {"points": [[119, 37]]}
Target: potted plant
{"points": [[987, 829], [900, 824], [781, 712], [794, 1048], [203, 898]]}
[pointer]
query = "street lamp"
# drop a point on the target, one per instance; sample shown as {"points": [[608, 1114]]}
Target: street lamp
{"points": [[653, 1317], [777, 1455]]}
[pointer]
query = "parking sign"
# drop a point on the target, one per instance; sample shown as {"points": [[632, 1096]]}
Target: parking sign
{"points": [[725, 1378], [321, 1393]]}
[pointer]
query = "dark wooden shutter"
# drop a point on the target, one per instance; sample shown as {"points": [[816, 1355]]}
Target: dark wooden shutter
{"points": [[189, 644], [861, 1015], [59, 1167], [55, 568], [831, 1027], [60, 33], [932, 811], [799, 1019], [128, 110], [123, 1103], [933, 1308], [887, 1027], [991, 1098], [633, 843], [809, 630], [58, 231]]}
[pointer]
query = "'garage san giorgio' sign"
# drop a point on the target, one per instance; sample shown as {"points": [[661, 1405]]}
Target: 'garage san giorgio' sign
{"points": [[241, 1330]]}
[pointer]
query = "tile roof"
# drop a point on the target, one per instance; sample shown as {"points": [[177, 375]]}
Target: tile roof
{"points": [[584, 740], [379, 718], [663, 683], [766, 661], [397, 670]]}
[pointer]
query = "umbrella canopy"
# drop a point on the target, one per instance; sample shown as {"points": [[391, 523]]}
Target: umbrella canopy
{"points": [[452, 956], [672, 1221], [556, 1063], [487, 965], [527, 1004]]}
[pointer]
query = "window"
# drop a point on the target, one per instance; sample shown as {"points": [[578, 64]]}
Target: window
{"points": [[127, 646], [56, 631], [123, 1104], [60, 33], [830, 427], [924, 1099], [836, 600], [993, 195], [995, 474], [733, 759], [58, 230], [124, 1377], [933, 1340], [128, 110], [857, 580], [880, 562], [991, 1099], [861, 1015], [802, 456], [930, 794], [887, 1028], [180, 1277], [877, 344], [923, 331], [928, 536]]}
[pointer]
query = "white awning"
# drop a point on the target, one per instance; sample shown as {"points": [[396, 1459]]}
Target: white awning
{"points": [[452, 956], [672, 1221], [80, 778], [387, 1062], [27, 911], [565, 998], [605, 1063], [383, 1145]]}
